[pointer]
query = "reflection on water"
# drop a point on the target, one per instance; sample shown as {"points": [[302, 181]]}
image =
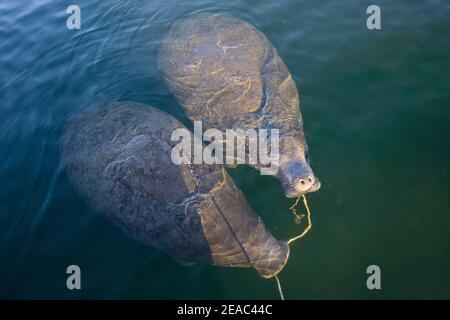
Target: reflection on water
{"points": [[375, 106]]}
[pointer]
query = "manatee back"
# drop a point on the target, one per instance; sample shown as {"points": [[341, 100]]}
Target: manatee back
{"points": [[117, 155], [226, 73]]}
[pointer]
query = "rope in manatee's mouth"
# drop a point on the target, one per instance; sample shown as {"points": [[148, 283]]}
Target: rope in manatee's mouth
{"points": [[298, 218]]}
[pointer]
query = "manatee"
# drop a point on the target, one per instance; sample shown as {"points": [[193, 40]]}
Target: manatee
{"points": [[225, 73], [118, 157]]}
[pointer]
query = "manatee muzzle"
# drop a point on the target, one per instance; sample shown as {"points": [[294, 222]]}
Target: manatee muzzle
{"points": [[298, 178]]}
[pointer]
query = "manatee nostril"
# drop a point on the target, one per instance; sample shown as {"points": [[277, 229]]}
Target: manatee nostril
{"points": [[299, 179], [305, 183]]}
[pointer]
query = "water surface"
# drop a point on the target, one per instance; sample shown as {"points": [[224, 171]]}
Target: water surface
{"points": [[376, 106]]}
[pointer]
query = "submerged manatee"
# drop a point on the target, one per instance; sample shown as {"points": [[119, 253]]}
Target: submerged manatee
{"points": [[118, 156], [226, 73]]}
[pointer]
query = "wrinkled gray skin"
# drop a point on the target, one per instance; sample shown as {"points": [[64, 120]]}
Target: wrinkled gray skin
{"points": [[118, 156], [226, 73]]}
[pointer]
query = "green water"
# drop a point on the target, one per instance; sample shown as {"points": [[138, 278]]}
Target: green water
{"points": [[376, 107]]}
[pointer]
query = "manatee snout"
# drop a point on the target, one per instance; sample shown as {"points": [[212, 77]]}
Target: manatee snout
{"points": [[297, 178]]}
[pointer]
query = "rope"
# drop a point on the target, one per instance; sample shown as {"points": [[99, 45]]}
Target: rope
{"points": [[232, 231], [292, 209], [279, 288], [298, 218], [308, 227]]}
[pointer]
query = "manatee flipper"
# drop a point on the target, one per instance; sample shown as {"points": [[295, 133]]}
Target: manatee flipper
{"points": [[118, 157], [225, 72]]}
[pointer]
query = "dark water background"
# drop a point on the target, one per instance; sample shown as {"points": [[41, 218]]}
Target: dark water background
{"points": [[376, 106]]}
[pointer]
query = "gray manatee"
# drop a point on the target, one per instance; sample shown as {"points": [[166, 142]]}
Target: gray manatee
{"points": [[118, 157], [226, 73]]}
